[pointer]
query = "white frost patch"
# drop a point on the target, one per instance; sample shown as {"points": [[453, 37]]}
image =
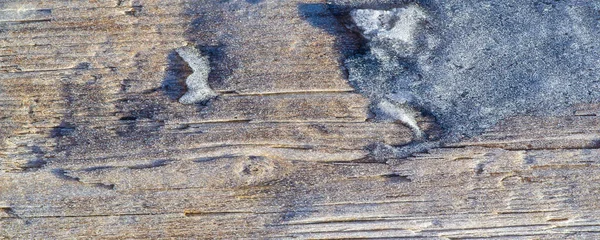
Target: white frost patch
{"points": [[391, 34], [398, 24], [400, 112], [197, 83]]}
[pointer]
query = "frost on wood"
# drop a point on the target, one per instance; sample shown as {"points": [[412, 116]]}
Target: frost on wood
{"points": [[473, 63], [198, 89], [396, 26], [400, 112], [379, 74]]}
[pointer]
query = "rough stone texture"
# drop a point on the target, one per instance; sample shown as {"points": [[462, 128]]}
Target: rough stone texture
{"points": [[94, 144]]}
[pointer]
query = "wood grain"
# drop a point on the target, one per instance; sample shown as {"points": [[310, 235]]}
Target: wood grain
{"points": [[93, 143]]}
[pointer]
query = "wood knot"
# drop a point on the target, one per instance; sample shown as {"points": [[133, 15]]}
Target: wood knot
{"points": [[257, 169], [255, 166]]}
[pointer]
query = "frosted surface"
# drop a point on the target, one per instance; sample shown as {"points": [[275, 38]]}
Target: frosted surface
{"points": [[198, 89], [473, 63]]}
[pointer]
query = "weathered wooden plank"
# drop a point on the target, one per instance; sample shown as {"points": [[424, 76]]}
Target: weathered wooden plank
{"points": [[452, 193], [93, 144], [541, 133]]}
